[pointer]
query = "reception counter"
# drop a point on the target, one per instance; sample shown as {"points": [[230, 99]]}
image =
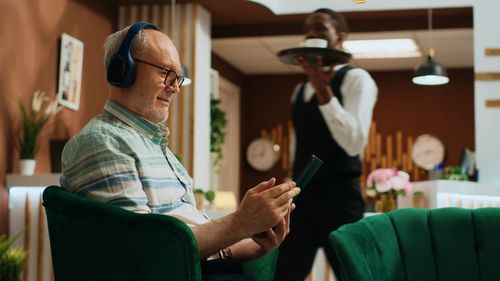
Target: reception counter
{"points": [[446, 193]]}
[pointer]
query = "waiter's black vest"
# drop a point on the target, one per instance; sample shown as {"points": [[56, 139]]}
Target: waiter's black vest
{"points": [[314, 137]]}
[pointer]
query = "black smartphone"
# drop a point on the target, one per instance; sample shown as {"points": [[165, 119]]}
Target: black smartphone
{"points": [[304, 178], [308, 173]]}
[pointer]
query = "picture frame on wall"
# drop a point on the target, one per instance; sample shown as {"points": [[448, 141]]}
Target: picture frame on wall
{"points": [[70, 72]]}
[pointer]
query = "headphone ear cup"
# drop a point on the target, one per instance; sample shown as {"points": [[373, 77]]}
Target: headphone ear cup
{"points": [[121, 66], [117, 70], [121, 71]]}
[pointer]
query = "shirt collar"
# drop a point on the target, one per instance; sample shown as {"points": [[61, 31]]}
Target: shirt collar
{"points": [[157, 133], [339, 66]]}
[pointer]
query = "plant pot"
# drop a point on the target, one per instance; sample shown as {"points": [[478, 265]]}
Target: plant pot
{"points": [[27, 167], [199, 199], [386, 203]]}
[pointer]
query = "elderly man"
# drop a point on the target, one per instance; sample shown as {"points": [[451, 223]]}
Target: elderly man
{"points": [[121, 156]]}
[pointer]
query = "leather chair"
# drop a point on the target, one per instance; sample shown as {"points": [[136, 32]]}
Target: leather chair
{"points": [[94, 241], [421, 245]]}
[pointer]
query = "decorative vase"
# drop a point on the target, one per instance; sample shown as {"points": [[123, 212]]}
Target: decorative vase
{"points": [[419, 201], [28, 167], [386, 203]]}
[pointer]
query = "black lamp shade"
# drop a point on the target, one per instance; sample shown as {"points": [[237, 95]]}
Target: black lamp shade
{"points": [[430, 73]]}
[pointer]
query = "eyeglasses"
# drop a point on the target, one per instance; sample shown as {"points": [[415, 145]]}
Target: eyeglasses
{"points": [[170, 77]]}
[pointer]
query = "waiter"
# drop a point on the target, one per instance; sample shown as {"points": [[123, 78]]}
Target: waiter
{"points": [[332, 113]]}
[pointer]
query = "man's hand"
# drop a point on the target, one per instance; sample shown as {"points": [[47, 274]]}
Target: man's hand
{"points": [[273, 237], [262, 207], [265, 206], [319, 78]]}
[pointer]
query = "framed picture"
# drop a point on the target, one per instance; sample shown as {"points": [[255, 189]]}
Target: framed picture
{"points": [[70, 72]]}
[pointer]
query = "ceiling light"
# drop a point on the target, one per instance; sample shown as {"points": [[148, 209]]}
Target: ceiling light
{"points": [[430, 73], [382, 48]]}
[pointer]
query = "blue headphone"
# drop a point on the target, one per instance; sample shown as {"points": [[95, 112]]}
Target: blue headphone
{"points": [[121, 67]]}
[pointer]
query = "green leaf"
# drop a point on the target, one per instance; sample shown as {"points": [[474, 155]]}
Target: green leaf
{"points": [[218, 124], [6, 243], [210, 195], [199, 190]]}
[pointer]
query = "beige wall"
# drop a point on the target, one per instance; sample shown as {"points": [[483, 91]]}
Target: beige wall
{"points": [[30, 32]]}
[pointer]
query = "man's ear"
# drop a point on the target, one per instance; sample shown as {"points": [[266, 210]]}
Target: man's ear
{"points": [[341, 37]]}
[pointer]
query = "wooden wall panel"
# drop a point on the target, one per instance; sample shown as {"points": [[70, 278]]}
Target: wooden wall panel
{"points": [[181, 31], [403, 110], [30, 57]]}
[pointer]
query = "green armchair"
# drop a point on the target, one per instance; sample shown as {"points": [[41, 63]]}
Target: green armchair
{"points": [[91, 240], [421, 245]]}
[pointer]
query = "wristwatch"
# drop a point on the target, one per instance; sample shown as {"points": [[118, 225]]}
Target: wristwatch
{"points": [[221, 254]]}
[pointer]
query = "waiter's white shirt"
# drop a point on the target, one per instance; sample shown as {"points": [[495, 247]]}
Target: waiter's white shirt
{"points": [[349, 124]]}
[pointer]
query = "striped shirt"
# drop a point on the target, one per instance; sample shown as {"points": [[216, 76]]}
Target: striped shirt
{"points": [[123, 159]]}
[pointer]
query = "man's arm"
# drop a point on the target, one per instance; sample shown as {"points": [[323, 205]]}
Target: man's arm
{"points": [[348, 124], [262, 207], [94, 166]]}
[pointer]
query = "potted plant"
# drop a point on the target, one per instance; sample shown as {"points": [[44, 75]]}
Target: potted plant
{"points": [[419, 200], [33, 121], [385, 185], [218, 123], [199, 196], [12, 260], [210, 196]]}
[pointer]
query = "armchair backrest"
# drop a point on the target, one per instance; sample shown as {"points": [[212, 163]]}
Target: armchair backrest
{"points": [[418, 244], [96, 241]]}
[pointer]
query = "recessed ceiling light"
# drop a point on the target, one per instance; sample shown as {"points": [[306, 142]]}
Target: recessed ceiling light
{"points": [[382, 48]]}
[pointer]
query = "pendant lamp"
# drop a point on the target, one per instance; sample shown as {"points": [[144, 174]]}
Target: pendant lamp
{"points": [[430, 73], [173, 30]]}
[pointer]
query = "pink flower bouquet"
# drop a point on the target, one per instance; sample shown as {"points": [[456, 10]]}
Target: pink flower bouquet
{"points": [[387, 181]]}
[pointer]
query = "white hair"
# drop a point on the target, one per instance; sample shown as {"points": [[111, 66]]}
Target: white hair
{"points": [[113, 42]]}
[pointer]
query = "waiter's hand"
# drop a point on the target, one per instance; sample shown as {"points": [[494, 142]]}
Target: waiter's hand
{"points": [[319, 78]]}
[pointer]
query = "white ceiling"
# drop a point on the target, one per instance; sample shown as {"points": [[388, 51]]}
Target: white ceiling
{"points": [[257, 55], [282, 7]]}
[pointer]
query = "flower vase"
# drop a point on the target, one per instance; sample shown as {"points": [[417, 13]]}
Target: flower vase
{"points": [[386, 203], [28, 167]]}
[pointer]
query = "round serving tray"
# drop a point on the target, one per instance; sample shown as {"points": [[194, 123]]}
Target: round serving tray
{"points": [[330, 56]]}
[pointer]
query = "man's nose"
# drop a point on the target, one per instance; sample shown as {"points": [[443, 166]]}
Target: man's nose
{"points": [[173, 87]]}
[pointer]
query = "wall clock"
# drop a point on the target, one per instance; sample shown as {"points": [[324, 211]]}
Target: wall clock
{"points": [[427, 152], [262, 154]]}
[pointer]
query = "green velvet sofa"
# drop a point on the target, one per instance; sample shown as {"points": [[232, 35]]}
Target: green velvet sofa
{"points": [[448, 244], [94, 241]]}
